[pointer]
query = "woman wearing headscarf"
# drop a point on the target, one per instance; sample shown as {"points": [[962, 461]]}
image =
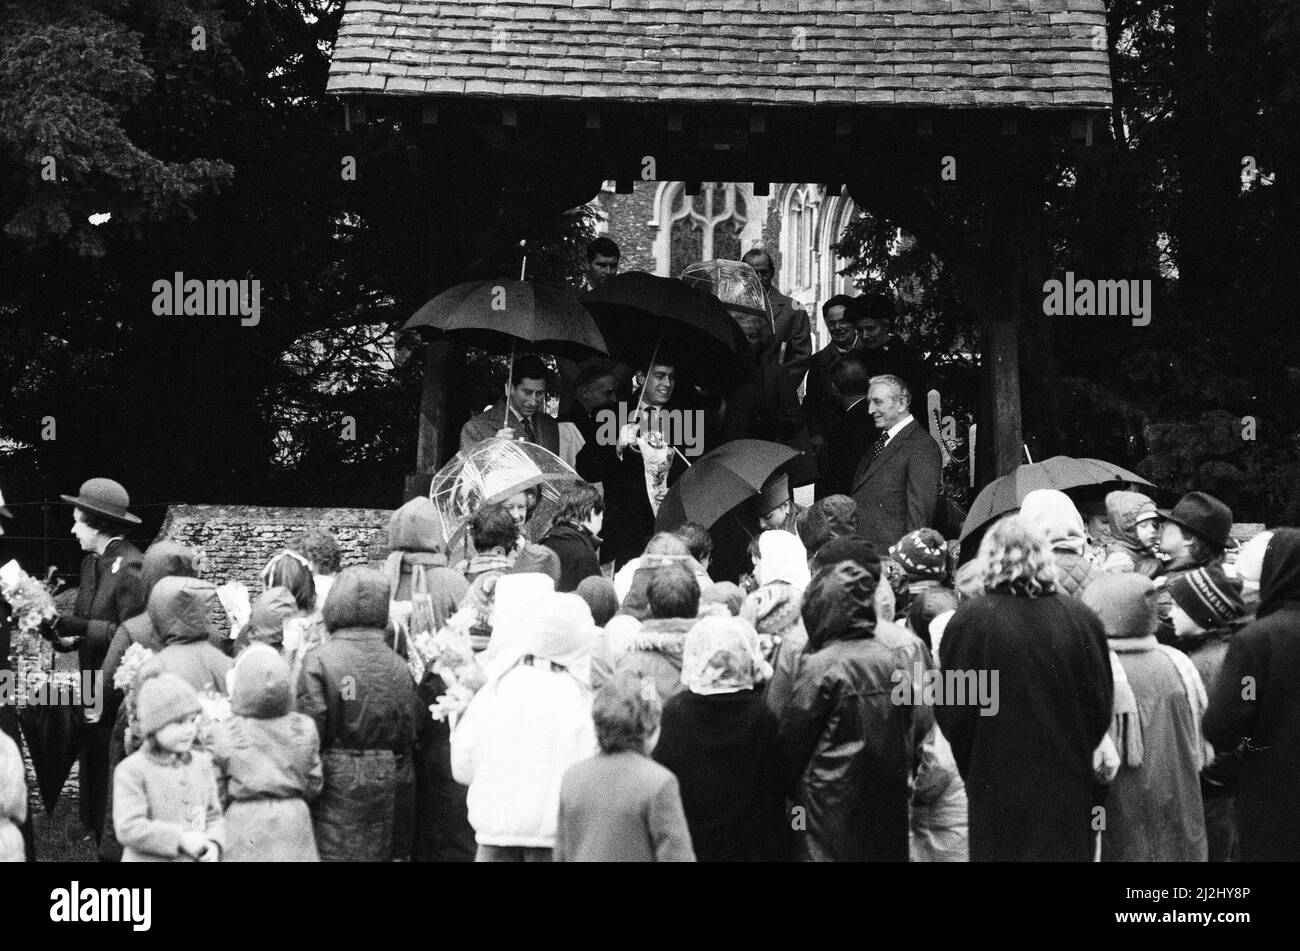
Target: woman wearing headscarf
{"points": [[1257, 699], [528, 724], [781, 570], [425, 594], [1028, 769], [1053, 516], [719, 739], [846, 750]]}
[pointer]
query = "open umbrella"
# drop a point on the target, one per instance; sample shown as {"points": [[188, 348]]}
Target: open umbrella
{"points": [[719, 481], [649, 319], [1005, 494], [500, 314], [492, 471], [739, 288]]}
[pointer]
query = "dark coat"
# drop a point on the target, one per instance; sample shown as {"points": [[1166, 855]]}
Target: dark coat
{"points": [[111, 591], [489, 422], [629, 519], [360, 694], [767, 407], [1028, 769], [1257, 699], [595, 462], [722, 749], [824, 415], [854, 435], [791, 328], [846, 750], [1154, 811], [899, 492], [576, 548]]}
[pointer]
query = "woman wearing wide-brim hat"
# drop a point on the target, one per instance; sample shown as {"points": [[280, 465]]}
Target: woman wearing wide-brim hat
{"points": [[1195, 533], [111, 591]]}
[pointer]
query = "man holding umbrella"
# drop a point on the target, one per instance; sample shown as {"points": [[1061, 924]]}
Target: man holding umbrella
{"points": [[647, 464], [528, 419]]}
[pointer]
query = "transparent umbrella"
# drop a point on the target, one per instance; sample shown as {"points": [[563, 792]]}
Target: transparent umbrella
{"points": [[492, 471]]}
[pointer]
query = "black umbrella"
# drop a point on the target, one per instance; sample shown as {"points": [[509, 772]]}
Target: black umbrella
{"points": [[54, 734], [498, 314], [648, 319], [720, 481]]}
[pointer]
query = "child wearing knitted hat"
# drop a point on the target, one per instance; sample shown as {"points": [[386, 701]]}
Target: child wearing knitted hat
{"points": [[1207, 611], [165, 802], [268, 764]]}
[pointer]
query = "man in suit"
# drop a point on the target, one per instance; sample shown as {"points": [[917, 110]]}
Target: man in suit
{"points": [[896, 484], [648, 463], [822, 409], [528, 419], [594, 393], [856, 430], [792, 336]]}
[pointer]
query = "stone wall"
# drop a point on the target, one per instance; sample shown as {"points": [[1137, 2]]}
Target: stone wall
{"points": [[238, 540]]}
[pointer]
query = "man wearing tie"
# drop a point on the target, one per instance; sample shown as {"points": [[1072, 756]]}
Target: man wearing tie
{"points": [[896, 484], [528, 419], [648, 463]]}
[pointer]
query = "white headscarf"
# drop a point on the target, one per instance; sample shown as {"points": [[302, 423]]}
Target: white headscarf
{"points": [[781, 557], [1051, 514], [514, 612]]}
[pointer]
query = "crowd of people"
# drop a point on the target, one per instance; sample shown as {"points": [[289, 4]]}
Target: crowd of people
{"points": [[1122, 689]]}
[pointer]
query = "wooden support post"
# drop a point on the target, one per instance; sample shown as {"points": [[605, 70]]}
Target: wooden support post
{"points": [[1005, 294], [433, 418]]}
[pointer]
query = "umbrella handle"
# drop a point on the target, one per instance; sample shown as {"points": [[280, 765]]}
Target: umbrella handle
{"points": [[505, 422], [653, 357]]}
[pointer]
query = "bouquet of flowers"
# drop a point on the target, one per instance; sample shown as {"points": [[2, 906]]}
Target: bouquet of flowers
{"points": [[451, 657], [128, 667], [127, 678], [31, 602], [213, 708]]}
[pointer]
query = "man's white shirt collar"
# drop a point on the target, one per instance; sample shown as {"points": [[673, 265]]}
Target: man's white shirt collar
{"points": [[894, 430]]}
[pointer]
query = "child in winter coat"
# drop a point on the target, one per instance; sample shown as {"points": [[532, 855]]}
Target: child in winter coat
{"points": [[529, 723], [1135, 528], [622, 806], [165, 802], [13, 801], [268, 764]]}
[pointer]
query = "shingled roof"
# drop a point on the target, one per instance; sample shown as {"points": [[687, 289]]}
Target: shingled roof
{"points": [[1035, 54]]}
